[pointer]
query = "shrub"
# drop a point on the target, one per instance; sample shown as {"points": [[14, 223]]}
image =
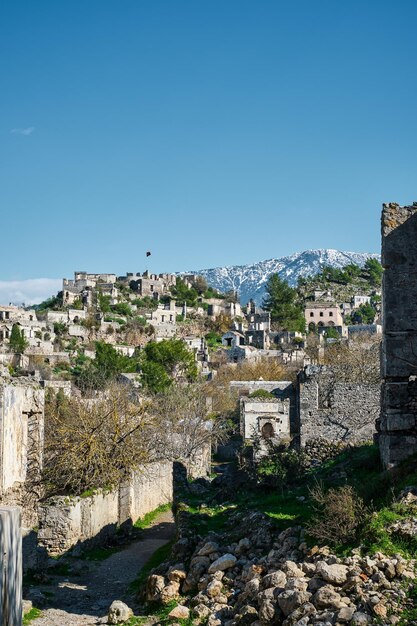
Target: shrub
{"points": [[122, 308], [261, 393], [339, 515]]}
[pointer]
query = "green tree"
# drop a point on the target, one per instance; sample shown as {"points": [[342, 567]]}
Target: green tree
{"points": [[17, 340], [280, 300], [364, 315], [155, 377], [374, 269], [106, 366], [173, 357]]}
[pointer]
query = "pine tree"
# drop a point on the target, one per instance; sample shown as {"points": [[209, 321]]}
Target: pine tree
{"points": [[17, 340], [280, 300]]}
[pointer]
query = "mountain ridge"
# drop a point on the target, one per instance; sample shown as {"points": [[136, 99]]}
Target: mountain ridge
{"points": [[250, 280]]}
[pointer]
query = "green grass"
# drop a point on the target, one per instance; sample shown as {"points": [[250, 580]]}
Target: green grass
{"points": [[162, 612], [359, 467], [148, 519], [136, 621], [158, 557], [409, 614], [31, 615]]}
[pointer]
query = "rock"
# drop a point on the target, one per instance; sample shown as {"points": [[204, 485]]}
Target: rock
{"points": [[170, 592], [214, 588], [201, 611], [26, 606], [267, 609], [177, 574], [247, 615], [243, 546], [380, 610], [224, 562], [327, 597], [360, 619], [334, 574], [309, 569], [345, 614], [208, 548], [154, 586], [296, 584], [288, 601], [119, 613], [179, 612], [274, 579], [291, 570], [252, 588]]}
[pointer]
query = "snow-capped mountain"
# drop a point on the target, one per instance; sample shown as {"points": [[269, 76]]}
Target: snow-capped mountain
{"points": [[250, 280]]}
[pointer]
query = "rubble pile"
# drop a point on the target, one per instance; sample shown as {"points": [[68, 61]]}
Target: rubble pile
{"points": [[254, 574]]}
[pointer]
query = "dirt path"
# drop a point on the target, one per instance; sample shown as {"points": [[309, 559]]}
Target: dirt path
{"points": [[84, 599]]}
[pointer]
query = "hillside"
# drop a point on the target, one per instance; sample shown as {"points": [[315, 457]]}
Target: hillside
{"points": [[250, 280]]}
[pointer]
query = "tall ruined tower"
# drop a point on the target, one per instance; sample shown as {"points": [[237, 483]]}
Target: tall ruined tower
{"points": [[398, 422]]}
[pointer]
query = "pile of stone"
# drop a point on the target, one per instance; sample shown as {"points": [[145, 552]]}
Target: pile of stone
{"points": [[267, 577], [317, 451]]}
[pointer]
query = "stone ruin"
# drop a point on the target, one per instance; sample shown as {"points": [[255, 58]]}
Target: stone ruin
{"points": [[398, 424]]}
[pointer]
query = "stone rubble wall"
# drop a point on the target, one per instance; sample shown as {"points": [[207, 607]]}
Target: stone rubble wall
{"points": [[21, 445], [335, 411], [66, 521], [398, 423]]}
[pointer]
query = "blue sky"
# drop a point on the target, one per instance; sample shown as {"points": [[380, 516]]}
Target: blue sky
{"points": [[210, 132]]}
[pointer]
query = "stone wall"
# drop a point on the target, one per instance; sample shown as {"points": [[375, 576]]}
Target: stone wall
{"points": [[67, 521], [398, 423], [21, 445], [335, 411]]}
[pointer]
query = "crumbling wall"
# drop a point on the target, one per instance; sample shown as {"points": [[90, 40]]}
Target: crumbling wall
{"points": [[67, 521], [21, 445], [398, 425], [335, 411]]}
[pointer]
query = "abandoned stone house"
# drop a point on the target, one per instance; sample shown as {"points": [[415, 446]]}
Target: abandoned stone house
{"points": [[83, 284], [315, 407], [164, 320], [322, 314], [150, 285], [26, 319]]}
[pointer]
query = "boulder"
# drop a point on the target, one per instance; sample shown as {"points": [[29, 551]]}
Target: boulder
{"points": [[345, 614], [360, 619], [179, 612], [208, 548], [274, 579], [201, 611], [154, 586], [224, 562], [119, 613], [334, 574], [214, 588], [292, 570], [290, 600], [327, 598], [170, 592]]}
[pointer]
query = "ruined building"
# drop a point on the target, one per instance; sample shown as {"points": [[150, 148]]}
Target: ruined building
{"points": [[398, 423]]}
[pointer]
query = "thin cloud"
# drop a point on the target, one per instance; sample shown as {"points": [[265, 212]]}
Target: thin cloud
{"points": [[30, 291], [23, 131]]}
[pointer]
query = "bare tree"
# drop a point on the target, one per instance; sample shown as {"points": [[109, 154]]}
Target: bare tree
{"points": [[356, 360], [94, 443], [185, 428]]}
